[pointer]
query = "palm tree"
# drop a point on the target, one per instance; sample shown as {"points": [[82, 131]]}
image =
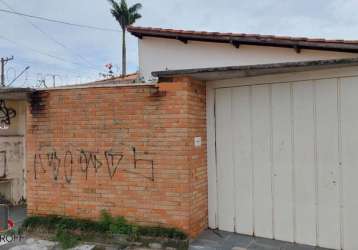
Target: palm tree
{"points": [[125, 16]]}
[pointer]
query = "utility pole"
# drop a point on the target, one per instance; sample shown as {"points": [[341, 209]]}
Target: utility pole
{"points": [[54, 80], [53, 76], [4, 61]]}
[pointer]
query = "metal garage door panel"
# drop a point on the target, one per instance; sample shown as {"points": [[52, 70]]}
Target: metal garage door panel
{"points": [[225, 170], [278, 152], [349, 115], [328, 211], [262, 160], [241, 115], [304, 167], [282, 161]]}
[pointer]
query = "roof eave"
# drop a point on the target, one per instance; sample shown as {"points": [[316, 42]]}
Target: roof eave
{"points": [[271, 42], [220, 73]]}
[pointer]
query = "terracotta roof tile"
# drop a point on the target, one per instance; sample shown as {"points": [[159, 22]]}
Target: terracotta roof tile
{"points": [[266, 40], [134, 29]]}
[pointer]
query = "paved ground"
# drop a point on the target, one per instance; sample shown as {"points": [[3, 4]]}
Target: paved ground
{"points": [[34, 244], [219, 240]]}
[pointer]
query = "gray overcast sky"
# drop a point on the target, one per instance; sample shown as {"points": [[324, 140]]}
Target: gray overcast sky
{"points": [[90, 50]]}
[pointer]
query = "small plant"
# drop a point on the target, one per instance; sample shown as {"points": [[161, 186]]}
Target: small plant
{"points": [[120, 226], [66, 239], [134, 233], [105, 220]]}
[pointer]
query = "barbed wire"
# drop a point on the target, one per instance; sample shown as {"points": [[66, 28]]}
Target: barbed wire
{"points": [[47, 79]]}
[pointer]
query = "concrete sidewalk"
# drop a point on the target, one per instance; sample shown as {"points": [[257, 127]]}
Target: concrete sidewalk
{"points": [[219, 240]]}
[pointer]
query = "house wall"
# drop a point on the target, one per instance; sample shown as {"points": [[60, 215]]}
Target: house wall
{"points": [[174, 54], [12, 159], [156, 176]]}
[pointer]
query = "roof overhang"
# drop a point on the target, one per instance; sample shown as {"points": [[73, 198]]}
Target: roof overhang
{"points": [[238, 39], [18, 94], [220, 73]]}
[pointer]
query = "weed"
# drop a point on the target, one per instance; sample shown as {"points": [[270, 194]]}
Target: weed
{"points": [[65, 227], [67, 239]]}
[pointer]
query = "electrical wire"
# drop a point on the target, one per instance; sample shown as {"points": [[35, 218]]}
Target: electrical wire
{"points": [[42, 76], [17, 77], [60, 21], [14, 12], [7, 73], [51, 38], [41, 52]]}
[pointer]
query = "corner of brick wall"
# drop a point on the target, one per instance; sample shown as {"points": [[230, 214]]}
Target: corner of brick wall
{"points": [[197, 160], [72, 135]]}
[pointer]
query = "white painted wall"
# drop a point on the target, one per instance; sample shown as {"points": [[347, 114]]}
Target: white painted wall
{"points": [[12, 142], [157, 54]]}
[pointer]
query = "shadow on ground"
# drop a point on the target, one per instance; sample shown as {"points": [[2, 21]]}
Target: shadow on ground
{"points": [[219, 240]]}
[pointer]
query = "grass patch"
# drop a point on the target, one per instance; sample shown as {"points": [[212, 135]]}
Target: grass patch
{"points": [[67, 239], [69, 232]]}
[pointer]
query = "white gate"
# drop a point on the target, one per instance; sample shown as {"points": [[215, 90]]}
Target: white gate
{"points": [[287, 161]]}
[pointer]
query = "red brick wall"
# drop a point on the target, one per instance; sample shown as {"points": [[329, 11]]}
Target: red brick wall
{"points": [[81, 159]]}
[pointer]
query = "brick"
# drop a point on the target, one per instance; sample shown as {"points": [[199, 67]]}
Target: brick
{"points": [[95, 122]]}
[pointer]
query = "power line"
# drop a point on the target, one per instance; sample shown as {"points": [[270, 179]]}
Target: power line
{"points": [[40, 52], [18, 76], [8, 70], [59, 21], [50, 37]]}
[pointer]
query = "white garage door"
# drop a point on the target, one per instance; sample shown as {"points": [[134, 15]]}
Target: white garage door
{"points": [[287, 161]]}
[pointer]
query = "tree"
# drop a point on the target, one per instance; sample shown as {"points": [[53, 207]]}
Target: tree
{"points": [[125, 16]]}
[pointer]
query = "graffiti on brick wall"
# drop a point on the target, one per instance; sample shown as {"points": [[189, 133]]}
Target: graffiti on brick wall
{"points": [[113, 160], [89, 159], [136, 160], [68, 166], [86, 161], [38, 165], [54, 162]]}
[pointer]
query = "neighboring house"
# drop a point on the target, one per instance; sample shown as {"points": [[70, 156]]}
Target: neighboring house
{"points": [[12, 148], [245, 133], [165, 49]]}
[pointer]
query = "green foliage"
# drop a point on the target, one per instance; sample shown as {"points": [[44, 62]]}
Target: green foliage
{"points": [[170, 233], [119, 226], [53, 222], [105, 220], [66, 238], [106, 224], [134, 233], [125, 15]]}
